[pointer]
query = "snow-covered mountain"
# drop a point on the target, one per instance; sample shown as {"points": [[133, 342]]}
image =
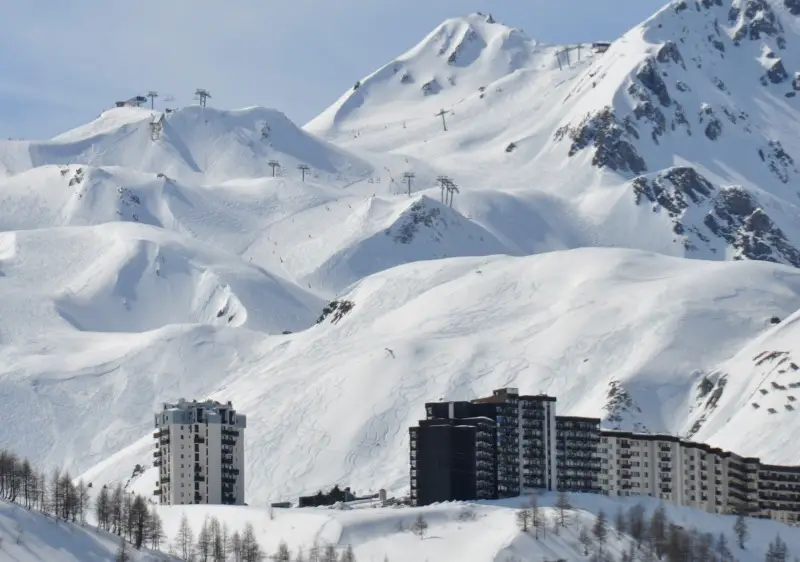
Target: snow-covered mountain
{"points": [[681, 138], [149, 256]]}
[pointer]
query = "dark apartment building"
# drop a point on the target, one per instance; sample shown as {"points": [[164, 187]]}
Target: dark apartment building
{"points": [[577, 460], [452, 459], [507, 444], [525, 433]]}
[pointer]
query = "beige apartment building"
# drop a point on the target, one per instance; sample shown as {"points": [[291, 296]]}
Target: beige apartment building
{"points": [[199, 453], [696, 475]]}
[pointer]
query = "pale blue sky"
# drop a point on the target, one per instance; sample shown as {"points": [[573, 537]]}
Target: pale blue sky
{"points": [[63, 61]]}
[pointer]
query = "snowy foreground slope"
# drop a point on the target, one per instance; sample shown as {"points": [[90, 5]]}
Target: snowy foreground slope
{"points": [[29, 536], [480, 533], [619, 334], [470, 533]]}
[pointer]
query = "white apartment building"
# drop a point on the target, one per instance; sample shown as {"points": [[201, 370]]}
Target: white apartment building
{"points": [[680, 472], [200, 453]]}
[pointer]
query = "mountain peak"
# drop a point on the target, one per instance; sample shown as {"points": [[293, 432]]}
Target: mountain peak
{"points": [[463, 53]]}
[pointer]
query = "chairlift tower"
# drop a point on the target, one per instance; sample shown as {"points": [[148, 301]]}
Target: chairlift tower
{"points": [[203, 95], [441, 114], [273, 164], [452, 189], [408, 177], [152, 94], [303, 169]]}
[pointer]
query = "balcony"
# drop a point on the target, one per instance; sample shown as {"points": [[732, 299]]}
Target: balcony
{"points": [[199, 478], [157, 492], [198, 439], [157, 454]]}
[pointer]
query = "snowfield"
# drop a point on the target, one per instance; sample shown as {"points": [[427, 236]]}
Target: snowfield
{"points": [[625, 237], [479, 533]]}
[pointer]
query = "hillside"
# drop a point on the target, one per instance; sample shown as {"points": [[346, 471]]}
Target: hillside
{"points": [[754, 393], [29, 536], [618, 334]]}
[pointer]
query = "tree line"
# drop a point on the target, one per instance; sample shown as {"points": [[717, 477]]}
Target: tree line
{"points": [[136, 521]]}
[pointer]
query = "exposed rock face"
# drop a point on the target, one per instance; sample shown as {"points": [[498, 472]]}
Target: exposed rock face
{"points": [[671, 188], [336, 310], [431, 88], [793, 6], [709, 392], [713, 125], [754, 18], [620, 405], [777, 72], [669, 52], [674, 190], [650, 78], [611, 139], [779, 162], [416, 216], [737, 218]]}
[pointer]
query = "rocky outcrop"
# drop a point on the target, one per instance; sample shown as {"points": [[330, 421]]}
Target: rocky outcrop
{"points": [[713, 126], [650, 78], [336, 310], [673, 190], [737, 218], [412, 219], [610, 138], [432, 87], [793, 6], [777, 72], [778, 160], [620, 405], [669, 52], [753, 19]]}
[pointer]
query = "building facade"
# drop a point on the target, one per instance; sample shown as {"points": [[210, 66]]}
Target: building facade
{"points": [[577, 454], [525, 437], [779, 493], [452, 459], [199, 453], [534, 449]]}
